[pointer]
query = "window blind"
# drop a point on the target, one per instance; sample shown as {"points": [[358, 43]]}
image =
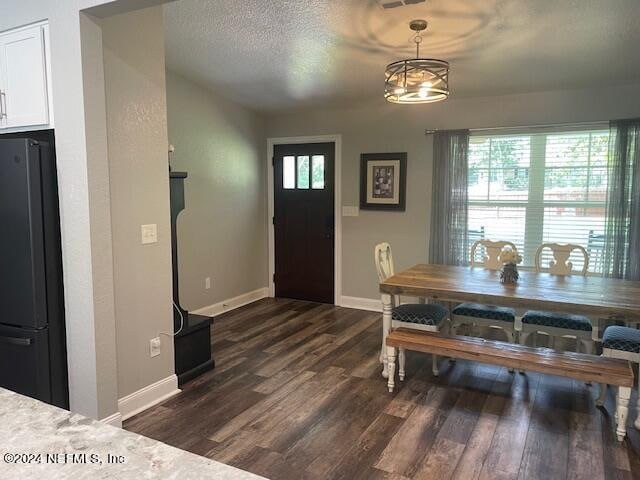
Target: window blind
{"points": [[538, 187]]}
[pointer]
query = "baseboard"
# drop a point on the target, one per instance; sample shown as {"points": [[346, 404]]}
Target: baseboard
{"points": [[233, 303], [371, 304], [114, 420], [148, 396]]}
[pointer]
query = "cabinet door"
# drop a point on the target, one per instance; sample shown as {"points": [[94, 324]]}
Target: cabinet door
{"points": [[23, 77]]}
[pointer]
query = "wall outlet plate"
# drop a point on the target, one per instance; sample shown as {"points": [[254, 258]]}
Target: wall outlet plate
{"points": [[207, 283], [154, 347], [149, 233], [350, 211]]}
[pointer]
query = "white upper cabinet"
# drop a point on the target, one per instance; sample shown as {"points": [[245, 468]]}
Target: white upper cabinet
{"points": [[24, 79]]}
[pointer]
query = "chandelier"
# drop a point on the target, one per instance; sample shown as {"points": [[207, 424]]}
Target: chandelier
{"points": [[417, 80]]}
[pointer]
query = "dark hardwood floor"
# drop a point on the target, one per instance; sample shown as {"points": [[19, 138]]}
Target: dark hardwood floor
{"points": [[297, 393]]}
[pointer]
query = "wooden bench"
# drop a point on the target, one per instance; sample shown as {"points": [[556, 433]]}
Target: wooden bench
{"points": [[580, 366]]}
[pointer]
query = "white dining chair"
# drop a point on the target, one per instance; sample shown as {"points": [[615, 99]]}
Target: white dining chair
{"points": [[623, 343], [418, 316], [475, 314], [555, 324]]}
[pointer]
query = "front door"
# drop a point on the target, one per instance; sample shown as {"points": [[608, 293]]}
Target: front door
{"points": [[304, 221]]}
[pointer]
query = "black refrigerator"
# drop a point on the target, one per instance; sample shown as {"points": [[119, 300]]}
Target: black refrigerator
{"points": [[32, 335]]}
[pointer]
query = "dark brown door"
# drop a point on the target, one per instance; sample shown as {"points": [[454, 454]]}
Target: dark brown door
{"points": [[304, 221]]}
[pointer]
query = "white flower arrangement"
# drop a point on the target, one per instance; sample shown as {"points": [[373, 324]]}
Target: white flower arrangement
{"points": [[508, 255]]}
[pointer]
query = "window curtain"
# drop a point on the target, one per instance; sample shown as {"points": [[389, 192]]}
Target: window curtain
{"points": [[449, 236], [622, 233]]}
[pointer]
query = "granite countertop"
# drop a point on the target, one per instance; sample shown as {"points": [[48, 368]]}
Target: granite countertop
{"points": [[57, 444]]}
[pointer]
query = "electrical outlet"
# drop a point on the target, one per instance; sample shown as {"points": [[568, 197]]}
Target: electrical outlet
{"points": [[207, 283], [154, 347]]}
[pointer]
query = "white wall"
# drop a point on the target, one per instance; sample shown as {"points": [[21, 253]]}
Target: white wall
{"points": [[222, 231], [134, 74], [377, 126]]}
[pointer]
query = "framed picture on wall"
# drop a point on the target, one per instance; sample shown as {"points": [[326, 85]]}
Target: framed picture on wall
{"points": [[383, 181]]}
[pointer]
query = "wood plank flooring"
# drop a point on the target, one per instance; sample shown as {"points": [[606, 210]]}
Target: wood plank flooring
{"points": [[297, 393]]}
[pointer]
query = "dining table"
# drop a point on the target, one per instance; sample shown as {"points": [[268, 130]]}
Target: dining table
{"points": [[603, 300]]}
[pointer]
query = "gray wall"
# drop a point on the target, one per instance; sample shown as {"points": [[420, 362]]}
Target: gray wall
{"points": [[222, 231], [78, 103], [134, 73], [377, 126], [83, 182]]}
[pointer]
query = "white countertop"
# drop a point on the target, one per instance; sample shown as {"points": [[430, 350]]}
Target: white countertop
{"points": [[58, 445]]}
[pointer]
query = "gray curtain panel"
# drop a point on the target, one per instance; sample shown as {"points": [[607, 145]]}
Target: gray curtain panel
{"points": [[449, 238], [622, 232]]}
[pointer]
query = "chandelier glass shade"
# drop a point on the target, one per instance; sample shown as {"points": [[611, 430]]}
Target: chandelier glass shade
{"points": [[417, 80]]}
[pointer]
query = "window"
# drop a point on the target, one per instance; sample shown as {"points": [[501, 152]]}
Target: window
{"points": [[288, 172], [303, 172], [540, 187], [297, 173], [317, 172]]}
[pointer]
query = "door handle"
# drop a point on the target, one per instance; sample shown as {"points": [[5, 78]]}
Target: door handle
{"points": [[22, 342]]}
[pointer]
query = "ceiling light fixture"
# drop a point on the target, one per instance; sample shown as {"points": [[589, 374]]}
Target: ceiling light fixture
{"points": [[417, 80]]}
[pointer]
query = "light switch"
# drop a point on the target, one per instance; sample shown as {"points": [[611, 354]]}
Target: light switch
{"points": [[350, 211], [149, 233]]}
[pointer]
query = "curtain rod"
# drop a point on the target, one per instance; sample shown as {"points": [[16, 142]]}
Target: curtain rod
{"points": [[520, 127]]}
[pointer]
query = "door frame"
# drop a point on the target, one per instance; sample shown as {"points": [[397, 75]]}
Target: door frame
{"points": [[337, 238]]}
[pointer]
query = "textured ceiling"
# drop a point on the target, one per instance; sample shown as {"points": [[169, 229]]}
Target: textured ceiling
{"points": [[280, 54]]}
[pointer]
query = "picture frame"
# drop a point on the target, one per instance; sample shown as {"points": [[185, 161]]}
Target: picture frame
{"points": [[383, 181]]}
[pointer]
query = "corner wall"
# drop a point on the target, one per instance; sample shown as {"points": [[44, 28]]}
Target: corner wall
{"points": [[378, 126], [222, 230], [78, 100], [134, 73], [83, 184]]}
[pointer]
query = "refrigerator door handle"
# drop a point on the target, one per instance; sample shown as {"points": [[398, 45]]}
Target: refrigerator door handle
{"points": [[22, 342]]}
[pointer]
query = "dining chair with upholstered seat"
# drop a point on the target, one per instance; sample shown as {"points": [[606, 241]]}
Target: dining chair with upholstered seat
{"points": [[419, 316], [623, 343], [555, 324], [474, 314]]}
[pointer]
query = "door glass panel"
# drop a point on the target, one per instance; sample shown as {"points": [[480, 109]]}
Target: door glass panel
{"points": [[317, 172], [289, 172], [303, 172]]}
